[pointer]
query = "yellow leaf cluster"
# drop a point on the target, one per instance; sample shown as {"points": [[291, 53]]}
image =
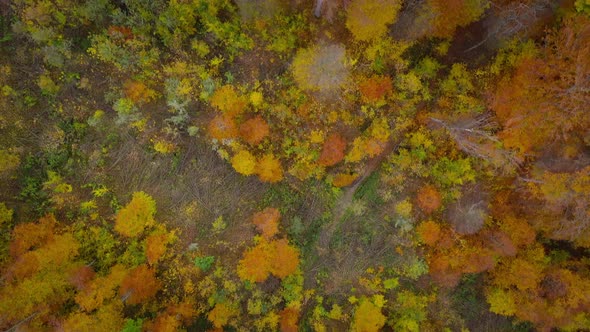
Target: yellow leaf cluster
{"points": [[136, 216], [367, 317], [244, 162], [368, 19]]}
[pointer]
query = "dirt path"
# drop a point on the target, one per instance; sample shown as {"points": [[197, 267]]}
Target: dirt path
{"points": [[347, 197]]}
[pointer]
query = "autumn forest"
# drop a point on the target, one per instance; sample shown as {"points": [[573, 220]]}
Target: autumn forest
{"points": [[295, 165]]}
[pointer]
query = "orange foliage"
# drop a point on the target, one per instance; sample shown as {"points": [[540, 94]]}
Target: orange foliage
{"points": [[101, 289], [139, 285], [255, 266], [228, 101], [285, 259], [450, 14], [429, 232], [289, 318], [545, 99], [277, 257], [375, 88], [500, 243], [267, 221], [155, 247], [254, 130], [222, 127], [429, 199], [172, 318], [374, 147], [441, 271], [332, 150], [120, 32], [138, 92], [81, 276], [269, 169], [532, 289], [476, 262], [164, 322], [28, 235], [23, 267]]}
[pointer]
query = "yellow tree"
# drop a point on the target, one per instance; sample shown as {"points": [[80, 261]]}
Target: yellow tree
{"points": [[367, 317], [368, 19], [136, 216]]}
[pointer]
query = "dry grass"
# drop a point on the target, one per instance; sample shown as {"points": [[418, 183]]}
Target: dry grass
{"points": [[191, 190]]}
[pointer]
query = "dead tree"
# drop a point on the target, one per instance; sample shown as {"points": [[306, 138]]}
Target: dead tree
{"points": [[473, 136]]}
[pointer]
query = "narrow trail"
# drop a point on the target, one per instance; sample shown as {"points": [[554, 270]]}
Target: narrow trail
{"points": [[347, 197]]}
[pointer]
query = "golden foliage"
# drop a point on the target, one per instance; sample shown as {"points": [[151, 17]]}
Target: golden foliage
{"points": [[136, 216], [254, 130], [367, 317], [450, 14], [269, 169], [220, 315], [368, 19], [267, 222], [228, 101], [344, 179], [155, 247], [107, 318], [139, 285], [101, 289], [244, 162]]}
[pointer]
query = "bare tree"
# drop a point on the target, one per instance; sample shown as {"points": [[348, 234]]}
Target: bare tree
{"points": [[473, 136], [516, 19]]}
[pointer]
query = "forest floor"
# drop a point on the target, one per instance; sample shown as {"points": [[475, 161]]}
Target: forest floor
{"points": [[347, 197]]}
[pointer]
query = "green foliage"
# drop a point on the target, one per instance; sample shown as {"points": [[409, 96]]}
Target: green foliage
{"points": [[583, 6], [134, 254], [133, 325], [368, 190], [448, 173], [292, 288], [204, 263], [5, 214], [31, 191], [410, 311], [8, 161], [283, 34]]}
